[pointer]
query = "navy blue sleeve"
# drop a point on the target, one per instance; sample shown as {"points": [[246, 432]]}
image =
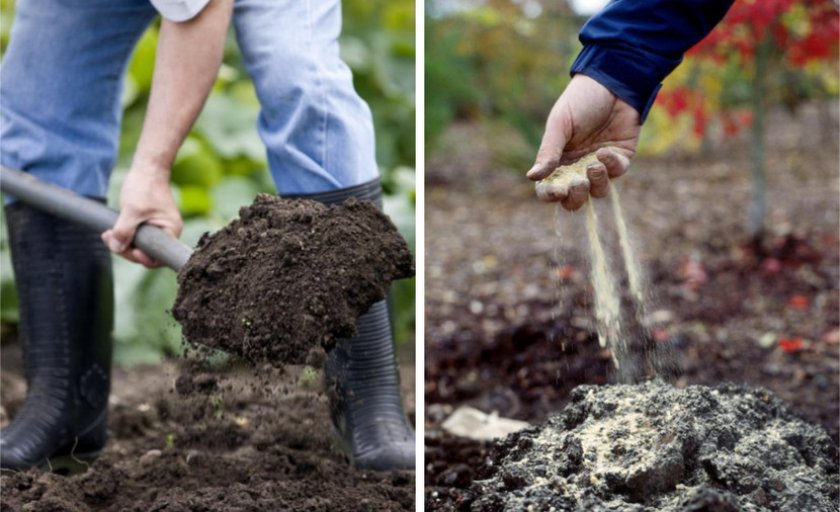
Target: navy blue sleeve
{"points": [[630, 46]]}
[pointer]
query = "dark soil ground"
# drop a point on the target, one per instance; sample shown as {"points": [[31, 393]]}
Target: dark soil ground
{"points": [[508, 306], [287, 276], [199, 439]]}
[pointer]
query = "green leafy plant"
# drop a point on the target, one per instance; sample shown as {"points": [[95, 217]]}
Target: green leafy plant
{"points": [[218, 405], [308, 376]]}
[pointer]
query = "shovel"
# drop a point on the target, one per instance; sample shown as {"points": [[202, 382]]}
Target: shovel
{"points": [[63, 203]]}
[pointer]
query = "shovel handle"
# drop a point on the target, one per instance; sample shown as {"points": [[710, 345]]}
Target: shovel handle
{"points": [[63, 203]]}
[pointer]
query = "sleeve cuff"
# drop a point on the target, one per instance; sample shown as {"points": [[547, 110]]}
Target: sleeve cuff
{"points": [[179, 10], [627, 75]]}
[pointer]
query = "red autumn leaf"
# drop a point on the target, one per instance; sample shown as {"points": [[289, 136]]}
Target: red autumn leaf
{"points": [[746, 49], [748, 25], [700, 119], [781, 35], [693, 273], [816, 46], [791, 344], [832, 337], [730, 127], [674, 101], [771, 265], [661, 335], [799, 301], [564, 272], [745, 118]]}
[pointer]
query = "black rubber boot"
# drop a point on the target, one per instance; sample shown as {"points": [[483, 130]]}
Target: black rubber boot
{"points": [[65, 290], [367, 412]]}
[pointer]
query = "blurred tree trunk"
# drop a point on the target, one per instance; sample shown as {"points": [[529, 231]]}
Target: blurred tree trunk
{"points": [[758, 206]]}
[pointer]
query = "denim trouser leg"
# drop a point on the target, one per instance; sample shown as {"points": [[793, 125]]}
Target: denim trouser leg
{"points": [[61, 86], [317, 130], [62, 79]]}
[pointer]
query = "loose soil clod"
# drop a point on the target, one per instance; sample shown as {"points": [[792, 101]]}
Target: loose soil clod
{"points": [[233, 438], [287, 275], [652, 447]]}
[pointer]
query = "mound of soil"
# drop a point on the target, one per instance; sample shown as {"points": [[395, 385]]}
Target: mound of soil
{"points": [[651, 446], [228, 439], [289, 274]]}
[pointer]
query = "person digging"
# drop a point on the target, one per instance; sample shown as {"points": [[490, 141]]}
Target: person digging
{"points": [[60, 102]]}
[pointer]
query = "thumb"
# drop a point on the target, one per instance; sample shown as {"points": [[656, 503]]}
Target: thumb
{"points": [[119, 237], [551, 149]]}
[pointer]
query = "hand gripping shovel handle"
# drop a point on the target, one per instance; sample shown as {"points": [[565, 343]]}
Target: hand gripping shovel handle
{"points": [[63, 203]]}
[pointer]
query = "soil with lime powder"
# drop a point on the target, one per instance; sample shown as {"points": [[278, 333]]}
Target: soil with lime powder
{"points": [[653, 447]]}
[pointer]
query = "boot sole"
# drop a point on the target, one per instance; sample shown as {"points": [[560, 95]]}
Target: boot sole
{"points": [[365, 463], [62, 464], [74, 462]]}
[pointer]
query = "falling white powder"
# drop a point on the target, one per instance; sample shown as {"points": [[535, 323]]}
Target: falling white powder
{"points": [[607, 300], [631, 262]]}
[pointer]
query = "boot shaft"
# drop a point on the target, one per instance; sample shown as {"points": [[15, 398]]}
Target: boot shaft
{"points": [[363, 379], [64, 282]]}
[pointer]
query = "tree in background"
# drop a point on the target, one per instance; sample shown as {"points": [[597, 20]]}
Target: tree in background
{"points": [[764, 52]]}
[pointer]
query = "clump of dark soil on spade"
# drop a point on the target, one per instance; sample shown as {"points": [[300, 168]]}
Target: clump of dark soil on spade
{"points": [[287, 276], [651, 446]]}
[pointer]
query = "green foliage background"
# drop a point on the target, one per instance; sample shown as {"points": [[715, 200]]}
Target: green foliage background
{"points": [[222, 164], [492, 62]]}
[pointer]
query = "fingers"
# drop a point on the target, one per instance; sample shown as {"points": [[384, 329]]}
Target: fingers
{"points": [[598, 181], [615, 163], [551, 192], [573, 196], [611, 163], [111, 243], [553, 142], [138, 256], [596, 185], [543, 167], [131, 254], [548, 158], [175, 227], [577, 196], [118, 238]]}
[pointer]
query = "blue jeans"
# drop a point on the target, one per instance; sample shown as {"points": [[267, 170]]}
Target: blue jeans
{"points": [[62, 79]]}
